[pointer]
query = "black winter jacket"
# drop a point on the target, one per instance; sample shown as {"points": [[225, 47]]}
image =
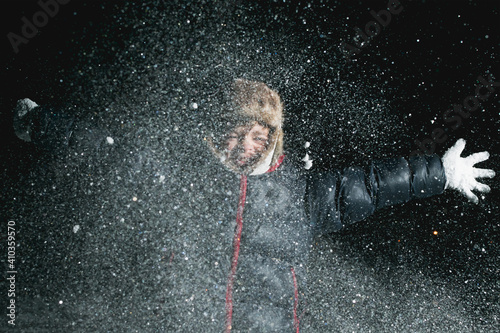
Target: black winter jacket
{"points": [[255, 278], [287, 207]]}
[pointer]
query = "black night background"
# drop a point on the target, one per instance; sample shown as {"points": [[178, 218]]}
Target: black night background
{"points": [[89, 227]]}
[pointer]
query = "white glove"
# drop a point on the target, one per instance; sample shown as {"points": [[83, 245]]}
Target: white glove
{"points": [[461, 174]]}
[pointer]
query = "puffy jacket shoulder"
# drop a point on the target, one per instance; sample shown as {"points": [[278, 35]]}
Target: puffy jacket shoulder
{"points": [[340, 197]]}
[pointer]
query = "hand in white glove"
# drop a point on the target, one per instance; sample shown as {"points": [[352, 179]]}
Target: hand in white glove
{"points": [[461, 174]]}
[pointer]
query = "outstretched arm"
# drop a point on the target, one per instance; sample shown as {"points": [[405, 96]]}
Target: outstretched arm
{"points": [[52, 129], [337, 198], [461, 174], [341, 197]]}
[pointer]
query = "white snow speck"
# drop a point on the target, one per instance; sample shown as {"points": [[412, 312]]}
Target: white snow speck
{"points": [[194, 105], [162, 179], [307, 145], [110, 140], [76, 228], [308, 161]]}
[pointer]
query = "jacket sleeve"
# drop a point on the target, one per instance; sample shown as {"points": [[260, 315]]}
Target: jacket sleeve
{"points": [[338, 198], [55, 130], [50, 128]]}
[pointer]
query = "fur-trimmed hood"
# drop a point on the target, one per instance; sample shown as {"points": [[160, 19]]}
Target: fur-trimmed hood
{"points": [[244, 103]]}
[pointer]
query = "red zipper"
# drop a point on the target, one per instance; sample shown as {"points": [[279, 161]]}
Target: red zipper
{"points": [[236, 252], [295, 301]]}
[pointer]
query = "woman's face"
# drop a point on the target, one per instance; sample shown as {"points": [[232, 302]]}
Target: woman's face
{"points": [[245, 145]]}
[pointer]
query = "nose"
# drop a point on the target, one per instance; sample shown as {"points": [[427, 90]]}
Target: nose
{"points": [[248, 146]]}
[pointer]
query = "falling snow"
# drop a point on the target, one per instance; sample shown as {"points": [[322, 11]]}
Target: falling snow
{"points": [[123, 222]]}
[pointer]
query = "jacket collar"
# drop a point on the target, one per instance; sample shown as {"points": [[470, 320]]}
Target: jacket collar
{"points": [[265, 167]]}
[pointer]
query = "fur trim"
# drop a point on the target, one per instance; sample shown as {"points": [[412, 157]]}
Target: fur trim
{"points": [[248, 102], [256, 101]]}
